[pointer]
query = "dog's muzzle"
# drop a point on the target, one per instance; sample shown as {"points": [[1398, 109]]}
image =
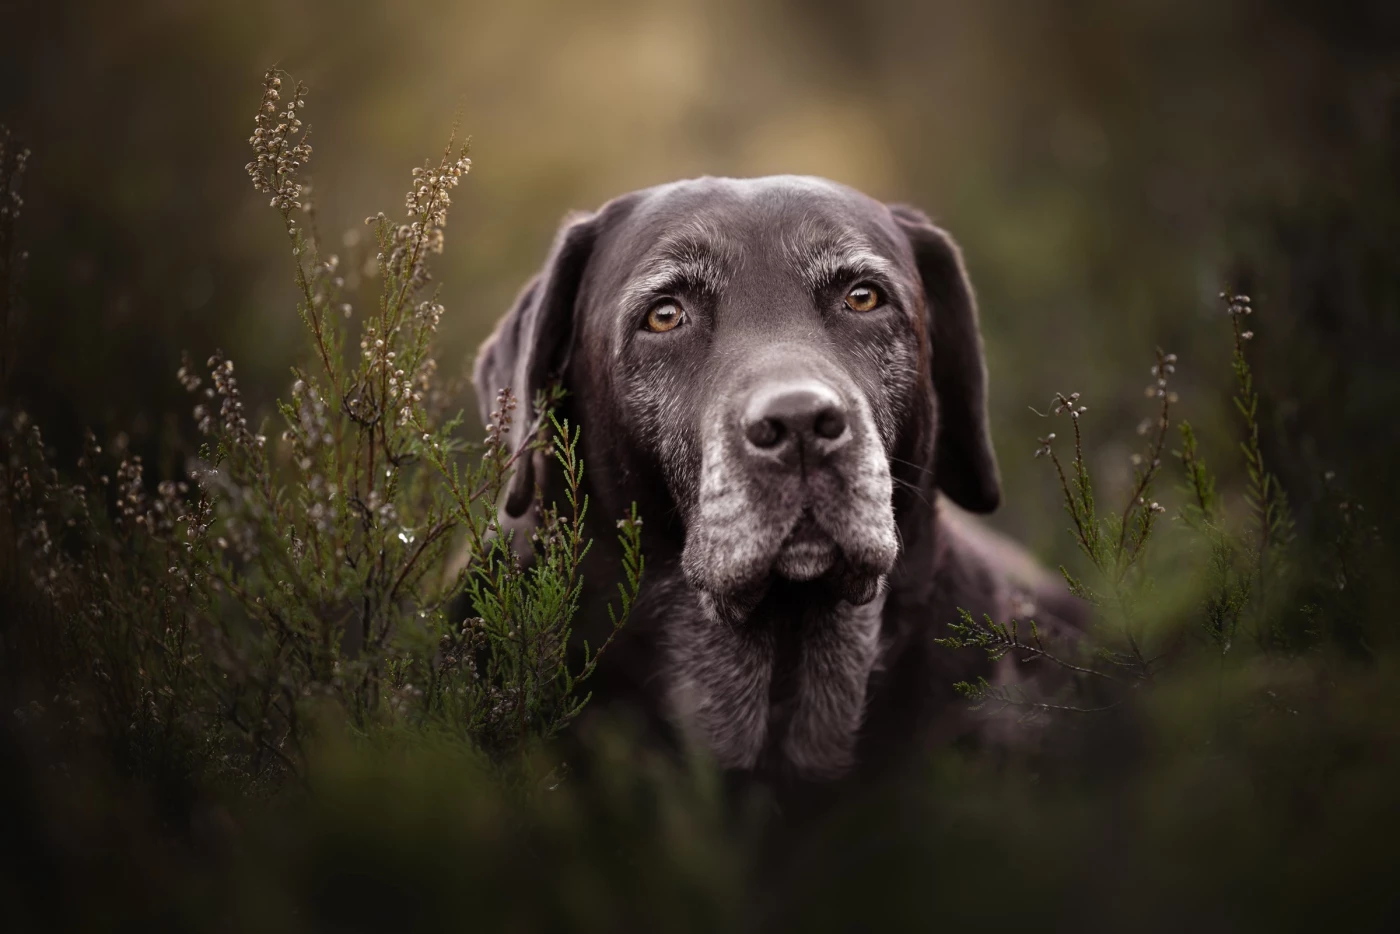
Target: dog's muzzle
{"points": [[794, 430], [795, 483]]}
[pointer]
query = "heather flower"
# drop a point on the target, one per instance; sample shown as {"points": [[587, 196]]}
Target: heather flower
{"points": [[279, 145], [427, 202], [1069, 403], [229, 419]]}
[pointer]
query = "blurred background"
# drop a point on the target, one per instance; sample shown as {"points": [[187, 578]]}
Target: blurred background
{"points": [[1108, 166]]}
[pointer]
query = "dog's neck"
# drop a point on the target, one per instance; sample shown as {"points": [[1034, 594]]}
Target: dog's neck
{"points": [[783, 691]]}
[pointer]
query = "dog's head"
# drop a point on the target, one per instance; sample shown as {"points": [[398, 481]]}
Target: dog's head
{"points": [[772, 365]]}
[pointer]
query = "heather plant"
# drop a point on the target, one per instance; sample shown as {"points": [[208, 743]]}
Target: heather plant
{"points": [[1241, 562], [1244, 563], [314, 576], [1116, 585]]}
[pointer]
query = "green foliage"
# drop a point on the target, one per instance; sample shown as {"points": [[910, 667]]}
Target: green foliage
{"points": [[1229, 584], [1114, 543], [999, 641], [313, 579], [1116, 583], [1243, 567]]}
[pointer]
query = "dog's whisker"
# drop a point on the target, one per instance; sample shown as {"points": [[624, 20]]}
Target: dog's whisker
{"points": [[919, 467], [912, 489]]}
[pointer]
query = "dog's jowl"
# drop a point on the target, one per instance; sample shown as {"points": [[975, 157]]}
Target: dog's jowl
{"points": [[787, 377]]}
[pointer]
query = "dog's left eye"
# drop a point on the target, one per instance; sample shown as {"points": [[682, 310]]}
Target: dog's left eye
{"points": [[863, 297], [664, 316]]}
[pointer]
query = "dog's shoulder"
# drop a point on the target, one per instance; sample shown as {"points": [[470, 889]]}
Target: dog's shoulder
{"points": [[965, 564], [994, 574]]}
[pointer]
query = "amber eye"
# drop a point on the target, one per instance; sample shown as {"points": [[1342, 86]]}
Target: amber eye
{"points": [[862, 298], [664, 316]]}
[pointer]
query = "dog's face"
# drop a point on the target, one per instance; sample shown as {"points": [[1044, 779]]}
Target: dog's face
{"points": [[769, 361]]}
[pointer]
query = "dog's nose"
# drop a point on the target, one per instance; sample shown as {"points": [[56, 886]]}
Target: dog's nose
{"points": [[791, 419]]}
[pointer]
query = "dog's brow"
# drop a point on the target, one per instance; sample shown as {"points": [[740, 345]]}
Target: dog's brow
{"points": [[694, 256], [822, 256]]}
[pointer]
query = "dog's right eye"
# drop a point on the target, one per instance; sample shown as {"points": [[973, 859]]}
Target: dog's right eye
{"points": [[664, 316]]}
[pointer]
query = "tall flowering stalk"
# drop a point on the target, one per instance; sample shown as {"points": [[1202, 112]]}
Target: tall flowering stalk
{"points": [[345, 560], [1243, 566], [1114, 544], [346, 568], [1270, 518]]}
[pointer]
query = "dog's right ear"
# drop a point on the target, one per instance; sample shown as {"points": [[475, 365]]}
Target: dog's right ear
{"points": [[531, 345]]}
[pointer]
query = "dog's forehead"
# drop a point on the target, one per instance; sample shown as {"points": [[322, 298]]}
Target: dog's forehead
{"points": [[754, 218]]}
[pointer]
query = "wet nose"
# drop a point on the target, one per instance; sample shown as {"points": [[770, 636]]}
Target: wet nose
{"points": [[790, 420]]}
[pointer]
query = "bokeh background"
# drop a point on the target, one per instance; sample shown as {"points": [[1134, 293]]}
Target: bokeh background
{"points": [[1107, 165]]}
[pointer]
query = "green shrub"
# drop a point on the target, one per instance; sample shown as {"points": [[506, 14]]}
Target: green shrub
{"points": [[1241, 563], [311, 578]]}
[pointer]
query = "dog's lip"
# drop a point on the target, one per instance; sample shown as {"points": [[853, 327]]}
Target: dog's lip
{"points": [[807, 552], [806, 531]]}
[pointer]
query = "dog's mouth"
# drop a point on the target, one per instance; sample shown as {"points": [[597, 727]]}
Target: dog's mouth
{"points": [[755, 523], [822, 550], [807, 553]]}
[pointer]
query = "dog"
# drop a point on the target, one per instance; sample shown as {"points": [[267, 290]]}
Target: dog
{"points": [[787, 377]]}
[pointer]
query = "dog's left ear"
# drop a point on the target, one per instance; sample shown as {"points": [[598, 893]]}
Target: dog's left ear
{"points": [[965, 466]]}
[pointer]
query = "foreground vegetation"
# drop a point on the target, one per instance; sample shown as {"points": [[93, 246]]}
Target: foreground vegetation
{"points": [[245, 696]]}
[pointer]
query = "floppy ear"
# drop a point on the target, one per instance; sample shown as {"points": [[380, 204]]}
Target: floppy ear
{"points": [[965, 466], [530, 346]]}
